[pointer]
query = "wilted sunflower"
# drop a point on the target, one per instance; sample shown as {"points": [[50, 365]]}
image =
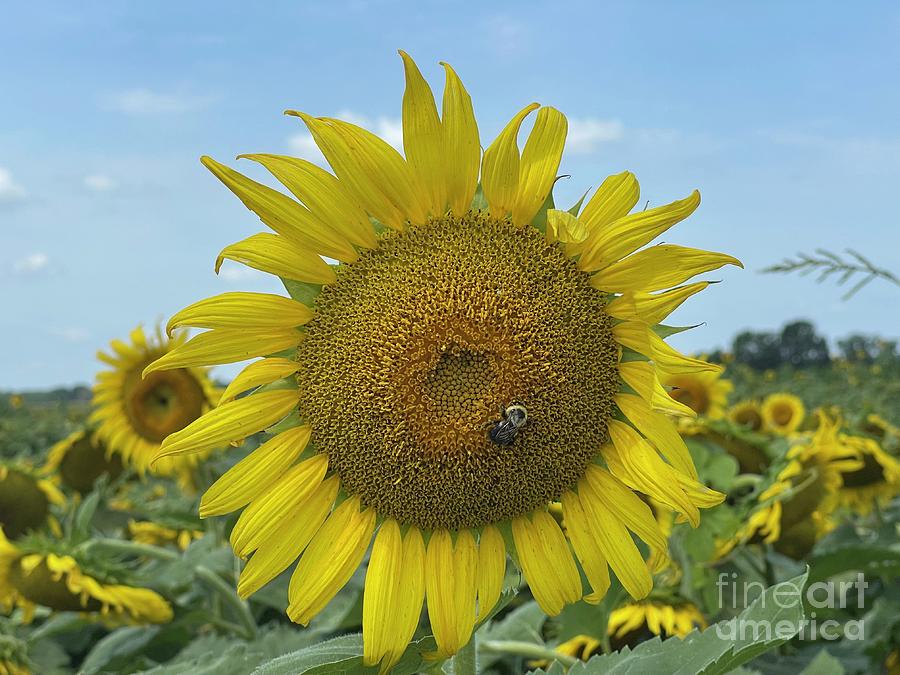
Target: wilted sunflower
{"points": [[747, 414], [638, 621], [875, 483], [25, 499], [80, 459], [706, 392], [41, 571], [453, 314], [782, 413], [134, 413]]}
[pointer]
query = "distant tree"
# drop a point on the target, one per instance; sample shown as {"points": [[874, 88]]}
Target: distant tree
{"points": [[757, 350], [801, 347], [867, 349]]}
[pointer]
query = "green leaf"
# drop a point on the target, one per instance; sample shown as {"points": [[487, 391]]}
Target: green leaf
{"points": [[719, 649], [824, 664], [871, 559], [523, 624], [581, 618], [540, 219], [665, 331], [346, 650], [302, 291], [123, 642], [84, 516]]}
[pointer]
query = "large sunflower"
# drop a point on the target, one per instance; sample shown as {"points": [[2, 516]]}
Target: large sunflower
{"points": [[875, 483], [134, 414], [80, 459], [474, 357]]}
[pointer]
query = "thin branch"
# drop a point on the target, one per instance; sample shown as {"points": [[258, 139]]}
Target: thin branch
{"points": [[828, 263]]}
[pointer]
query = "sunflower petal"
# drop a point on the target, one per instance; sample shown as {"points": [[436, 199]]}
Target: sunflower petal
{"points": [[649, 308], [241, 309], [615, 197], [423, 138], [659, 267], [491, 570], [329, 561], [230, 422], [587, 548], [461, 144], [546, 561], [562, 226], [670, 361], [281, 213], [247, 479], [450, 589], [661, 432], [277, 255], [641, 376], [225, 345], [257, 374], [500, 166], [626, 235], [539, 164]]}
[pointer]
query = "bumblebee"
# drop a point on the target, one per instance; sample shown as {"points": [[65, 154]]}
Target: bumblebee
{"points": [[504, 430]]}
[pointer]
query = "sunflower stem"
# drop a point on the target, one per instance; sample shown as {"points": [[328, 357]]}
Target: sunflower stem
{"points": [[528, 650], [131, 548], [230, 598]]}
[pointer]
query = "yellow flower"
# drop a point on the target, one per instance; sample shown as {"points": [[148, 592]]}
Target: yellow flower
{"points": [[79, 460], [748, 414], [464, 366], [16, 401], [134, 413], [31, 575], [880, 427], [706, 393], [579, 647], [148, 532], [782, 413], [659, 618], [25, 499], [876, 482]]}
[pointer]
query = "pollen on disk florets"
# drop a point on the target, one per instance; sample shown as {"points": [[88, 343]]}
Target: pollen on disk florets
{"points": [[421, 343]]}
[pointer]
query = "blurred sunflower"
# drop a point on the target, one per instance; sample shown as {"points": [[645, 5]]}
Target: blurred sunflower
{"points": [[747, 414], [782, 413], [13, 656], [638, 621], [79, 460], [796, 510], [706, 392], [399, 368], [25, 499], [880, 427], [579, 647], [40, 571], [134, 413], [875, 483], [149, 532]]}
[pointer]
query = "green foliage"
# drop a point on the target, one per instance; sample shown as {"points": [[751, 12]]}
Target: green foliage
{"points": [[830, 265]]}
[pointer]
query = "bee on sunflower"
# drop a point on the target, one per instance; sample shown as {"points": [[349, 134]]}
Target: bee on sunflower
{"points": [[26, 498], [134, 414], [475, 355], [782, 413]]}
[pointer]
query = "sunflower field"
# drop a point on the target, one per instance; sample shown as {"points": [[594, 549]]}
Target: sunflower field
{"points": [[461, 443]]}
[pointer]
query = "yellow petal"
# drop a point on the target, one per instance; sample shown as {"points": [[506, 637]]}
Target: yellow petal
{"points": [[226, 345], [461, 144], [375, 174], [287, 536], [540, 163], [322, 194], [450, 589], [546, 561], [491, 570], [562, 226], [500, 166], [626, 235], [257, 374], [394, 591], [271, 509], [276, 255], [641, 376], [661, 432], [423, 138], [649, 308], [619, 549], [283, 214], [250, 477], [329, 561], [242, 309], [615, 197], [671, 362], [659, 267], [231, 422], [586, 546]]}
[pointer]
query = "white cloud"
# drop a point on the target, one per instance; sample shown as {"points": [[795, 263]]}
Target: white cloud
{"points": [[72, 334], [99, 183], [506, 35], [586, 134], [141, 101], [32, 264], [389, 129], [10, 191], [234, 273]]}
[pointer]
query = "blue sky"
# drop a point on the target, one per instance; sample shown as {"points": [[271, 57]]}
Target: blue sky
{"points": [[784, 115]]}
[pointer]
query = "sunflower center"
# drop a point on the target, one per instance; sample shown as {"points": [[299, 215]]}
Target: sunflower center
{"points": [[419, 347], [782, 415], [690, 393], [163, 402], [871, 473]]}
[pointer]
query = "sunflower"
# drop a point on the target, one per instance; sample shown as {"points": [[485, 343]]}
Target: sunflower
{"points": [[148, 532], [40, 571], [880, 428], [475, 356], [635, 621], [13, 655], [782, 413], [706, 392], [875, 483], [135, 414], [80, 459], [747, 414], [25, 499]]}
